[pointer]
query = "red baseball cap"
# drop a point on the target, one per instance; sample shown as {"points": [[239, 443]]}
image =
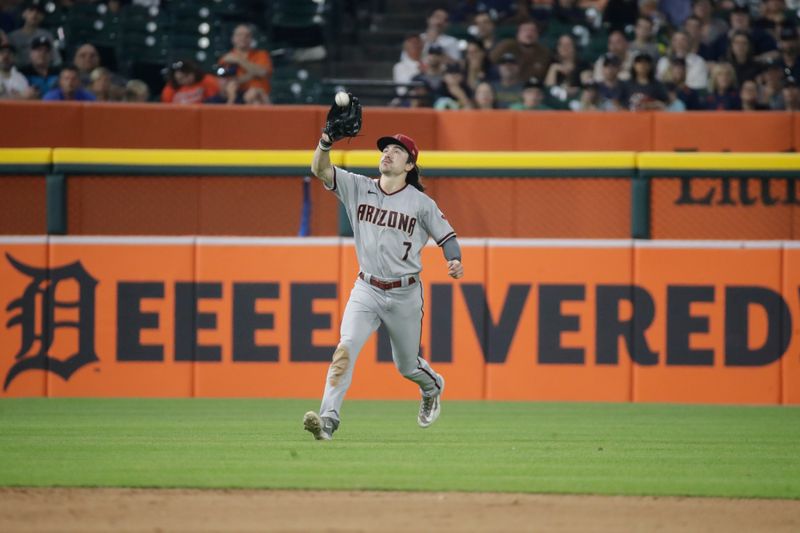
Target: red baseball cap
{"points": [[403, 140]]}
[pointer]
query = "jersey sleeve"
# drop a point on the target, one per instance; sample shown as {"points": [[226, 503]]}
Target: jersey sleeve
{"points": [[436, 224], [345, 186]]}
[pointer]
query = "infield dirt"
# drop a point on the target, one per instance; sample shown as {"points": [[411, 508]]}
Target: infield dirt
{"points": [[88, 510]]}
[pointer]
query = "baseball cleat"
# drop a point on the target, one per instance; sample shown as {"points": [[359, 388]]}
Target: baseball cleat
{"points": [[314, 424], [430, 407]]}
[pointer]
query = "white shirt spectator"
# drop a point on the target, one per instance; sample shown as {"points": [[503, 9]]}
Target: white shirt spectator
{"points": [[448, 43], [404, 70], [696, 71], [13, 84]]}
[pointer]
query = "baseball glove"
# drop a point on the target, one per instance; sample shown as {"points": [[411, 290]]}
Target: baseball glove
{"points": [[343, 121]]}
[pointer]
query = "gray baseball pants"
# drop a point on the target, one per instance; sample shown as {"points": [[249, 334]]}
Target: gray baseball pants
{"points": [[400, 309]]}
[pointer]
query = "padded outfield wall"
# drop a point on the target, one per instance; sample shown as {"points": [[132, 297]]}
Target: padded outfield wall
{"points": [[591, 320]]}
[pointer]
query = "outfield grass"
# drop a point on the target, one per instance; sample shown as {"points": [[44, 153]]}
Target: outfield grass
{"points": [[475, 446]]}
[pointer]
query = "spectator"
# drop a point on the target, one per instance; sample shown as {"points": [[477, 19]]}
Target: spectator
{"points": [[254, 66], [69, 87], [410, 63], [773, 18], [711, 28], [100, 85], [532, 97], [86, 59], [693, 27], [643, 92], [618, 46], [41, 75], [676, 11], [678, 89], [454, 93], [417, 96], [22, 39], [589, 99], [484, 96], [748, 95], [13, 85], [790, 95], [565, 70], [723, 94], [485, 30], [188, 84], [3, 37], [434, 34], [477, 66], [771, 82], [508, 89], [533, 57], [740, 22], [433, 69], [256, 96], [610, 88], [656, 11], [644, 39], [696, 68], [740, 56], [229, 89], [787, 46], [137, 91]]}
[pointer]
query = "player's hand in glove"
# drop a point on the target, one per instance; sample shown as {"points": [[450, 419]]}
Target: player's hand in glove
{"points": [[455, 269], [343, 121]]}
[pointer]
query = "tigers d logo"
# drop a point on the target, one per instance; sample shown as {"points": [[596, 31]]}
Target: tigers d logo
{"points": [[43, 311]]}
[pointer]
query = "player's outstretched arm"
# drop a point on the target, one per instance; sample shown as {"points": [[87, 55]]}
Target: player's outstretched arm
{"points": [[344, 120], [321, 164]]}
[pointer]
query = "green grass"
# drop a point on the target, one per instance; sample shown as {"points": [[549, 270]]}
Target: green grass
{"points": [[475, 446]]}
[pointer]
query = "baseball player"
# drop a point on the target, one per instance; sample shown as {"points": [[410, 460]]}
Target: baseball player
{"points": [[392, 219]]}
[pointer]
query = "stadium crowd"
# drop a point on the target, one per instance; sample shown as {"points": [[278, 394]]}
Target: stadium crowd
{"points": [[674, 55]]}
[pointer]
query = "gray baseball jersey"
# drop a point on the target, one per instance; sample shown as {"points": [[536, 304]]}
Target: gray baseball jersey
{"points": [[390, 230]]}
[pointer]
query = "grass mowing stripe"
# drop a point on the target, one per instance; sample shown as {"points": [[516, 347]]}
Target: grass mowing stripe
{"points": [[476, 446]]}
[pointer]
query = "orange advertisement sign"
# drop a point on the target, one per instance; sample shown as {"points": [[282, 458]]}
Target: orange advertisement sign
{"points": [[559, 320], [713, 332], [23, 268], [663, 321], [737, 208], [790, 284]]}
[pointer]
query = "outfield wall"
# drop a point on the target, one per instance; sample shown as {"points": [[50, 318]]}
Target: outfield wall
{"points": [[117, 125], [592, 320]]}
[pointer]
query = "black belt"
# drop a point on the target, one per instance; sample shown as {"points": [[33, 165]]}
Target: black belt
{"points": [[386, 285]]}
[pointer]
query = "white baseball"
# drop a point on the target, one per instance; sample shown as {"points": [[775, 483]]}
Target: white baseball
{"points": [[342, 100]]}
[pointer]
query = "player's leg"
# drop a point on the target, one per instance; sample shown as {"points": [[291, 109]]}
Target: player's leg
{"points": [[403, 320], [359, 321]]}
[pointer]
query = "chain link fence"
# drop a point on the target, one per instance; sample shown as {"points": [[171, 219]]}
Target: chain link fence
{"points": [[197, 205], [535, 207], [23, 205]]}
